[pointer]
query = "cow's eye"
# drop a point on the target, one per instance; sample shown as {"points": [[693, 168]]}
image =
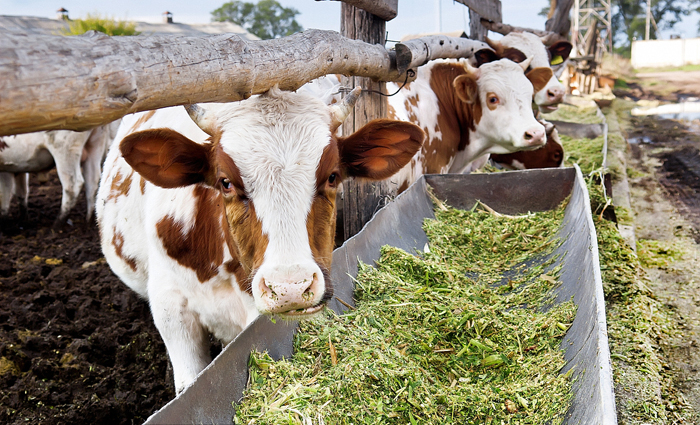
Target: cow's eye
{"points": [[226, 184], [493, 100], [332, 179]]}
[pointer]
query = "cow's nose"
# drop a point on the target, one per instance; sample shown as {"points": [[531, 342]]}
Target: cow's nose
{"points": [[535, 136], [290, 289], [555, 95]]}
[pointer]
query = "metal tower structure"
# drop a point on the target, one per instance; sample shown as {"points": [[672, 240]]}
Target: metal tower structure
{"points": [[592, 28]]}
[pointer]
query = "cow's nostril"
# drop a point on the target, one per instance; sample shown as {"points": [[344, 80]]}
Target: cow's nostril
{"points": [[528, 135]]}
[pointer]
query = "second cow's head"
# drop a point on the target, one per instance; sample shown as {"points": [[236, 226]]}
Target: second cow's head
{"points": [[276, 162]]}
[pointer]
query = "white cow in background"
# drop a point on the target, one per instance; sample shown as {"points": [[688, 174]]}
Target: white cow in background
{"points": [[548, 97], [77, 156]]}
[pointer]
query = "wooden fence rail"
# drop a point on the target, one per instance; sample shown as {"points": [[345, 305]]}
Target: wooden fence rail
{"points": [[76, 83]]}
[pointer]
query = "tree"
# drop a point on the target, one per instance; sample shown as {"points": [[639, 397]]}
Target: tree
{"points": [[629, 17], [266, 19]]}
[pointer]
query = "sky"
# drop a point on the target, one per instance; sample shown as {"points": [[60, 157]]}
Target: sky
{"points": [[415, 16]]}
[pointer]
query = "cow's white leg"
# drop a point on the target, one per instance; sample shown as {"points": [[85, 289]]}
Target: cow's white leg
{"points": [[7, 189], [185, 338], [71, 177], [91, 172], [22, 192]]}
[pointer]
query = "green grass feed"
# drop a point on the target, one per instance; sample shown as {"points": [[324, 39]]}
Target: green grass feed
{"points": [[434, 339]]}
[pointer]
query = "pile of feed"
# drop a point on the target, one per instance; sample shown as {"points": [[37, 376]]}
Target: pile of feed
{"points": [[587, 114], [440, 338]]}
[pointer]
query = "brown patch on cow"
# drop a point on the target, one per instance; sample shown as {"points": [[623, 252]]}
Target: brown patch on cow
{"points": [[118, 243], [402, 187], [391, 113], [248, 242], [550, 155], [201, 246], [142, 185], [3, 144], [539, 77], [327, 165], [120, 186], [320, 226], [455, 117], [142, 120]]}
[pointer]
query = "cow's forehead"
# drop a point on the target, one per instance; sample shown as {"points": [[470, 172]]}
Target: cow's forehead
{"points": [[277, 132], [505, 78], [276, 140], [530, 45]]}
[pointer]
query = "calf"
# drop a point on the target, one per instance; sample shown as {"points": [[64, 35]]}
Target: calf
{"points": [[548, 97], [468, 113], [77, 156], [551, 155], [229, 213]]}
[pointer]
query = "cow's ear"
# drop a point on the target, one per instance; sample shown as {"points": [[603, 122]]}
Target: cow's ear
{"points": [[539, 77], [485, 56], [466, 88], [514, 54], [379, 149], [166, 158], [559, 52]]}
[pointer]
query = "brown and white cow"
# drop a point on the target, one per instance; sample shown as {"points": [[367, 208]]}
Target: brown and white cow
{"points": [[77, 156], [229, 212], [548, 97], [468, 113], [551, 155]]}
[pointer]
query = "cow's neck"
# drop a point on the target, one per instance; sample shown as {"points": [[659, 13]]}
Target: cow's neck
{"points": [[454, 121]]}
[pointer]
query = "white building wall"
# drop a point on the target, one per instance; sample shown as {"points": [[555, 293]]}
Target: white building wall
{"points": [[662, 53]]}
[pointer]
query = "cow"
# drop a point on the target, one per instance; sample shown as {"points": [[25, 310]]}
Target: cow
{"points": [[77, 157], [551, 155], [468, 113], [548, 97], [217, 214]]}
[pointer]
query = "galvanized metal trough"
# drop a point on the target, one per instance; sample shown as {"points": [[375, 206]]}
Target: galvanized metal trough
{"points": [[210, 399]]}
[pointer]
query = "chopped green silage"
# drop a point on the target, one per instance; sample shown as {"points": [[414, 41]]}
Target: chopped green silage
{"points": [[638, 323], [427, 344], [572, 113]]}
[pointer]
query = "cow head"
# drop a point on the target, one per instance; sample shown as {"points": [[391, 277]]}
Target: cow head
{"points": [[550, 95], [551, 155], [276, 163], [499, 95]]}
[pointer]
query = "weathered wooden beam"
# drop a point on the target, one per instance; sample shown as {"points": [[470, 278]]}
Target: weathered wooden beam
{"points": [[489, 9], [55, 82], [549, 36], [383, 9], [417, 52], [76, 83]]}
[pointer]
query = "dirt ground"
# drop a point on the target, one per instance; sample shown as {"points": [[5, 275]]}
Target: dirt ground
{"points": [[664, 177], [76, 345]]}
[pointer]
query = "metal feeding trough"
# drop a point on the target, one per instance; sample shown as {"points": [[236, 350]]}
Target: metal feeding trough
{"points": [[210, 399]]}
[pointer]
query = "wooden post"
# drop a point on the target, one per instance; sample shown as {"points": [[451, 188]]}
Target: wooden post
{"points": [[362, 199], [476, 30]]}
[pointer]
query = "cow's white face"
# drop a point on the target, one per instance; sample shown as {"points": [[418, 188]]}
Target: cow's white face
{"points": [[276, 165], [552, 94], [501, 98]]}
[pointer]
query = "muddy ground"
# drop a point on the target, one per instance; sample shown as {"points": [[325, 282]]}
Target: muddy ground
{"points": [[76, 345], [664, 177]]}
